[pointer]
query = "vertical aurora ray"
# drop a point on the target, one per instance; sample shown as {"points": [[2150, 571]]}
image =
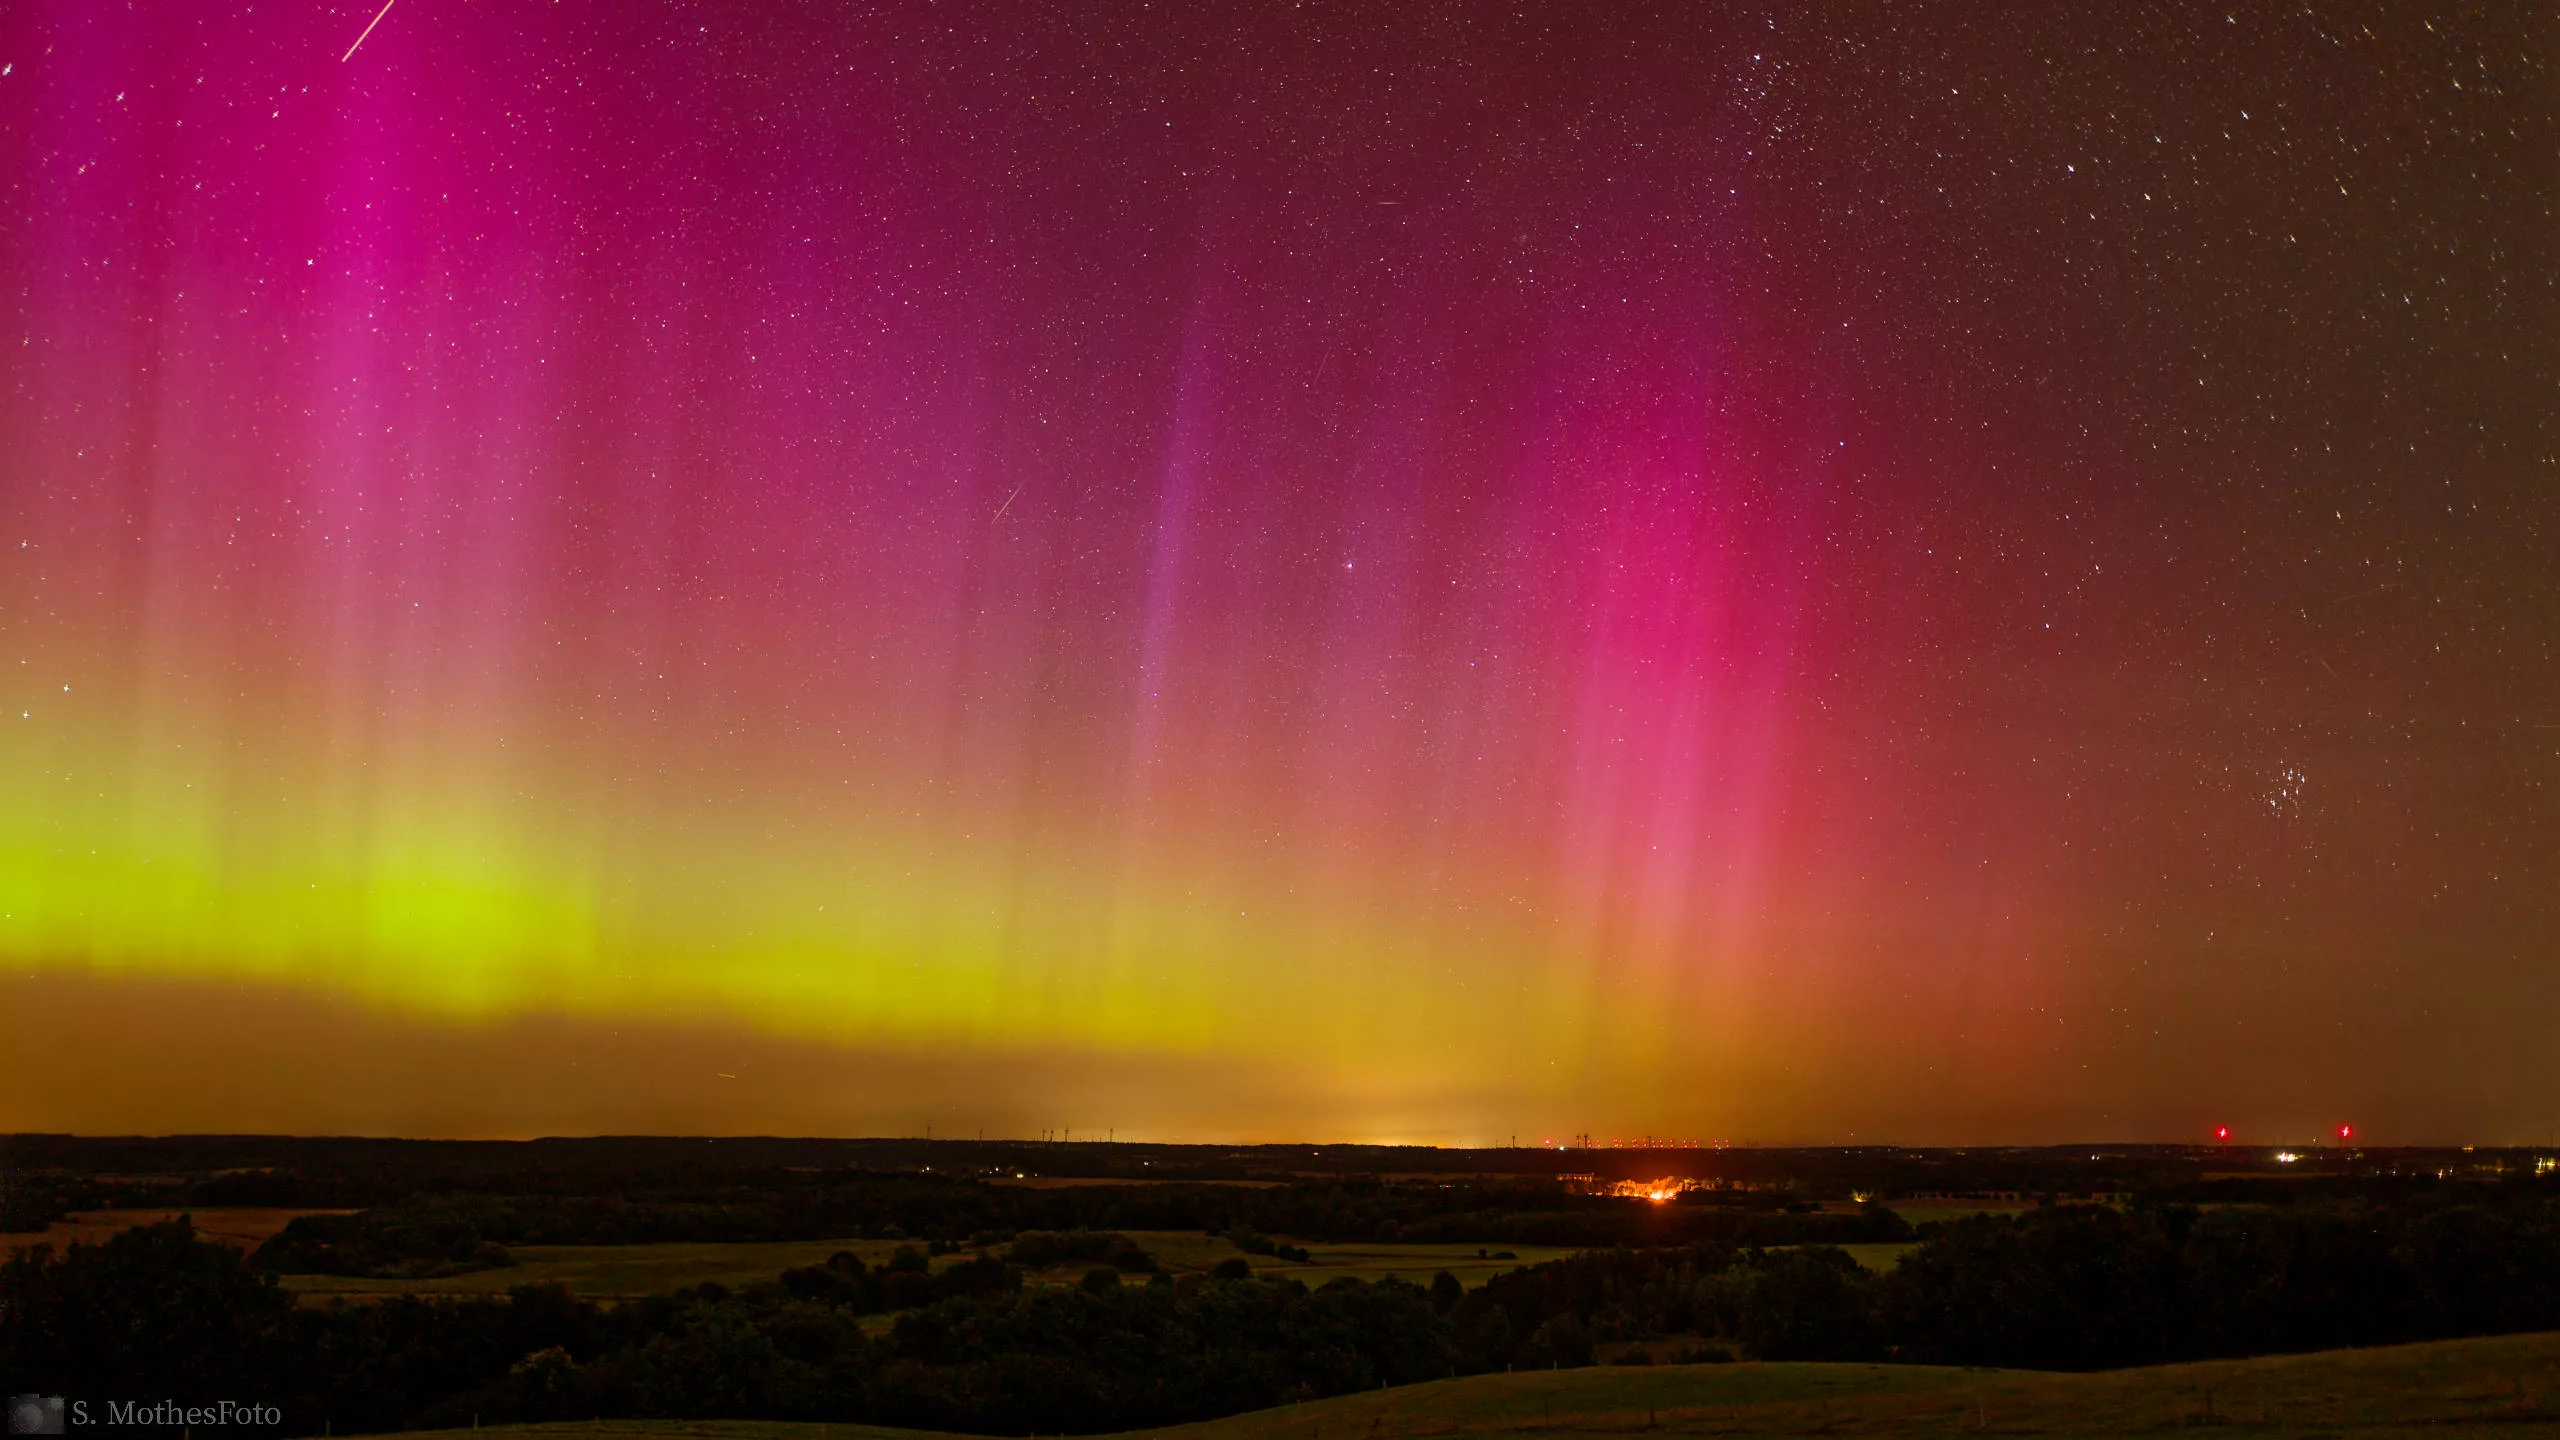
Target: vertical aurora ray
{"points": [[1516, 599]]}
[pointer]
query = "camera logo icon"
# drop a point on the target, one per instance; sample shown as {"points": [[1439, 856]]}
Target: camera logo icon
{"points": [[35, 1415]]}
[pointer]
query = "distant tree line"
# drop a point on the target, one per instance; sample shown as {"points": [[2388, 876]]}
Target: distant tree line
{"points": [[2067, 1287], [24, 1210], [1253, 1242], [347, 1172], [157, 1312], [1041, 1249]]}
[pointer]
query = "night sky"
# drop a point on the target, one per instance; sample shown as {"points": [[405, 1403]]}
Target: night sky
{"points": [[1960, 573]]}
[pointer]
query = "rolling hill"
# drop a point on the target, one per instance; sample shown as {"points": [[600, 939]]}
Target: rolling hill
{"points": [[2506, 1386]]}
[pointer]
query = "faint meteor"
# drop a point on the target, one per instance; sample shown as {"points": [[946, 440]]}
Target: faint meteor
{"points": [[368, 29], [1008, 502]]}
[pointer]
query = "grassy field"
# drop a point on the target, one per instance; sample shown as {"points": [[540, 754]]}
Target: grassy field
{"points": [[1884, 1255], [617, 1272], [610, 1272], [1181, 1250], [243, 1226], [1921, 1212], [620, 1272], [1471, 1264], [2506, 1386]]}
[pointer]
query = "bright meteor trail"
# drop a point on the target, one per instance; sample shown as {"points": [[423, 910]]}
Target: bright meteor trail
{"points": [[368, 29]]}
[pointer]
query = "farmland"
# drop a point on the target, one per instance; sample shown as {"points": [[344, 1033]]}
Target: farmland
{"points": [[622, 1272], [243, 1227], [619, 1272], [607, 1272]]}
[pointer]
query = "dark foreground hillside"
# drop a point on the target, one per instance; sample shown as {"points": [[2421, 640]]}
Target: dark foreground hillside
{"points": [[2505, 1386], [973, 1347]]}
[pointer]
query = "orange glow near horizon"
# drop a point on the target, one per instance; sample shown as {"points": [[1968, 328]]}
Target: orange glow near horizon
{"points": [[1658, 1191]]}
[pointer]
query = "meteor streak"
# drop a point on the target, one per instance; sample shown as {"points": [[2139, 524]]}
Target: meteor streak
{"points": [[368, 29]]}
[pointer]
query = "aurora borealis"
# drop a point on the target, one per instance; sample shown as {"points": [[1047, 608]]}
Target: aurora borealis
{"points": [[1386, 573]]}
